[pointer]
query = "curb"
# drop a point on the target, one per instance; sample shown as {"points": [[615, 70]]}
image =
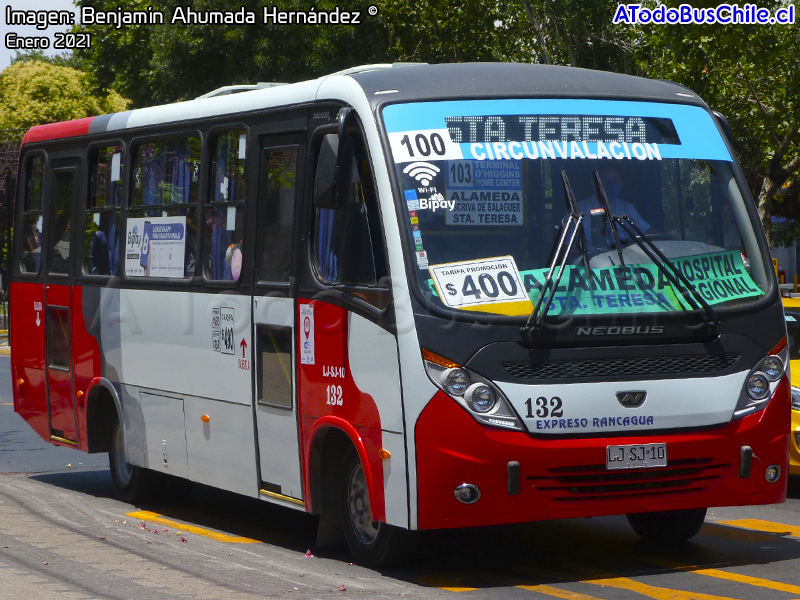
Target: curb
{"points": [[5, 351]]}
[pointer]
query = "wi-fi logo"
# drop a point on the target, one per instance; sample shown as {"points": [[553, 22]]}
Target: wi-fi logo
{"points": [[422, 171]]}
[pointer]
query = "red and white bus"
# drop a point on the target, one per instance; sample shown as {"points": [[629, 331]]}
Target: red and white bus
{"points": [[407, 298]]}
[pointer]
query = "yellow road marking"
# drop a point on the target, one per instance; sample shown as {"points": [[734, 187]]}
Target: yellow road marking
{"points": [[601, 578], [767, 526], [549, 590], [445, 581], [651, 591], [734, 534], [719, 574], [146, 515], [7, 403]]}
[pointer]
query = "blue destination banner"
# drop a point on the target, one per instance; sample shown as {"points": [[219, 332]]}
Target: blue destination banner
{"points": [[513, 129]]}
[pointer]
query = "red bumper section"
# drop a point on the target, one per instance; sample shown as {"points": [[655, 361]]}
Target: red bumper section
{"points": [[566, 478]]}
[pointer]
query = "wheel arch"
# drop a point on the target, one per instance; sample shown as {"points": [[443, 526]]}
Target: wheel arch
{"points": [[102, 404], [329, 441]]}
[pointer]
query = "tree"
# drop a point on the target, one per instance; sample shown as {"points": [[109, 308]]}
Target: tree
{"points": [[750, 74], [33, 92], [155, 64]]}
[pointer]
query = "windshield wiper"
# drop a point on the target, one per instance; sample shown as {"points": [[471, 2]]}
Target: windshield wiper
{"points": [[574, 222], [601, 196], [665, 265]]}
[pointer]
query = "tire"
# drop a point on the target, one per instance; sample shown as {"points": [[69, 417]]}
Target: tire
{"points": [[370, 545], [669, 526], [132, 483]]}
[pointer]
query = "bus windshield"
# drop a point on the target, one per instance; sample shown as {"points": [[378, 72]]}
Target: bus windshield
{"points": [[483, 194]]}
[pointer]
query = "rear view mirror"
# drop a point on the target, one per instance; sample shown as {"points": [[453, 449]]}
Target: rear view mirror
{"points": [[324, 196], [334, 165]]}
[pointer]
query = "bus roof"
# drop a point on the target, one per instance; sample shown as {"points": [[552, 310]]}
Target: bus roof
{"points": [[382, 83]]}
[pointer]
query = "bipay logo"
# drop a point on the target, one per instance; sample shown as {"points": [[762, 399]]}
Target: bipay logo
{"points": [[436, 201]]}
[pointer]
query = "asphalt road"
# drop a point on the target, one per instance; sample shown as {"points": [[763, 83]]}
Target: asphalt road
{"points": [[64, 535], [23, 451]]}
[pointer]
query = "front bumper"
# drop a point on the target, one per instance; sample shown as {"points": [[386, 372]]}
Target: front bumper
{"points": [[566, 477]]}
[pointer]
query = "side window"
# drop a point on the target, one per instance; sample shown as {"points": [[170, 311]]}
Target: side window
{"points": [[103, 212], [224, 246], [63, 194], [166, 182], [348, 244], [31, 254], [276, 250]]}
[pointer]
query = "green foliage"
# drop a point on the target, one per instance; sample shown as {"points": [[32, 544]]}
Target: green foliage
{"points": [[33, 92], [750, 74], [170, 62], [65, 59]]}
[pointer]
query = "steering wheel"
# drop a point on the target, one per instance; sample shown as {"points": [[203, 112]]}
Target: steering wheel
{"points": [[653, 237]]}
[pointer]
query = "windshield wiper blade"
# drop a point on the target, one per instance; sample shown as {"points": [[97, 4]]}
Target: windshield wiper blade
{"points": [[665, 265], [574, 222], [572, 207], [673, 274], [601, 196]]}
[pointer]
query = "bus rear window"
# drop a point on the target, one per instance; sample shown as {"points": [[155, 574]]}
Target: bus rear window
{"points": [[31, 256]]}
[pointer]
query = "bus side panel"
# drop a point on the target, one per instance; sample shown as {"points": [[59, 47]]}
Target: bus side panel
{"points": [[28, 355], [86, 356], [327, 388]]}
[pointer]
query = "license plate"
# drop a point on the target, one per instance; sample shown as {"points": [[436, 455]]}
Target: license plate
{"points": [[636, 456]]}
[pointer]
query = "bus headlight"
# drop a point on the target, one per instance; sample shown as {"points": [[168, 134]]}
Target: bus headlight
{"points": [[456, 382], [477, 395], [757, 386], [772, 367], [795, 398], [480, 398], [763, 380]]}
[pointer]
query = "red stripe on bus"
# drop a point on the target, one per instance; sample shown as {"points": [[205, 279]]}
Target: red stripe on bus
{"points": [[53, 131]]}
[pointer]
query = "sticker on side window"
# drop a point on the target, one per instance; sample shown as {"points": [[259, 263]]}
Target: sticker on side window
{"points": [[492, 284]]}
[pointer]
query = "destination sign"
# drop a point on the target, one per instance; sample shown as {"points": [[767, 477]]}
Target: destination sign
{"points": [[561, 128]]}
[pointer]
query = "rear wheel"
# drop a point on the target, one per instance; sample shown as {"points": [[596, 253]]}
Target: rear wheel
{"points": [[132, 483], [371, 543], [668, 526]]}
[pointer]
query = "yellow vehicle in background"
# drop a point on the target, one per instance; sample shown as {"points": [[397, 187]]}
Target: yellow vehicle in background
{"points": [[791, 308]]}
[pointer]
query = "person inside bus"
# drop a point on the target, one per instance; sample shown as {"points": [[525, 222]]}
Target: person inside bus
{"points": [[612, 184], [99, 259], [61, 251], [34, 250]]}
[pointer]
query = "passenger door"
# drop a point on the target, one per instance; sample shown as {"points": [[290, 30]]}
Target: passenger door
{"points": [[58, 310], [274, 310]]}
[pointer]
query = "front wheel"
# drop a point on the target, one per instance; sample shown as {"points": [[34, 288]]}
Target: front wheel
{"points": [[131, 483], [668, 526], [371, 543]]}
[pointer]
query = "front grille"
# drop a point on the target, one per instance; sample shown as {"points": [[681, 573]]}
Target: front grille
{"points": [[594, 482], [644, 367]]}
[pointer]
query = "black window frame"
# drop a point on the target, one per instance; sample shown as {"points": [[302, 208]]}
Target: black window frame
{"points": [[356, 295], [132, 147], [205, 200], [22, 199], [91, 155]]}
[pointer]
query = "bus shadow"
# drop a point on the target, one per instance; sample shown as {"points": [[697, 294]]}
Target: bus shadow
{"points": [[546, 552], [210, 508]]}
